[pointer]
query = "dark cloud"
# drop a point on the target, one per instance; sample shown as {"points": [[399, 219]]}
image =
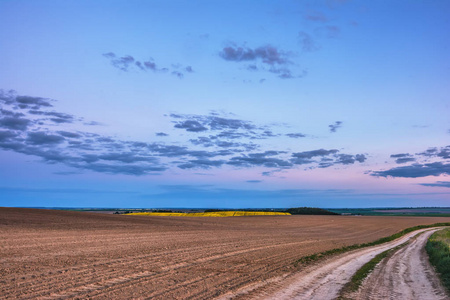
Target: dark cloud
{"points": [[69, 134], [23, 102], [295, 135], [161, 134], [198, 123], [416, 170], [404, 160], [121, 169], [33, 102], [443, 152], [128, 62], [267, 54], [42, 138], [314, 153], [27, 131], [218, 123], [268, 162], [201, 164], [191, 125], [360, 158], [335, 126], [14, 123], [271, 58], [56, 117], [400, 155], [429, 152], [328, 158], [6, 135], [121, 63], [214, 142], [437, 184], [307, 42]]}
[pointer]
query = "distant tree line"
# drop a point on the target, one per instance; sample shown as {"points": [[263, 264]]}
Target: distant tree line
{"points": [[309, 211], [292, 211]]}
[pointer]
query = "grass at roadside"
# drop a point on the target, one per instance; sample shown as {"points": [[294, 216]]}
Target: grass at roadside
{"points": [[438, 249], [317, 256], [212, 214]]}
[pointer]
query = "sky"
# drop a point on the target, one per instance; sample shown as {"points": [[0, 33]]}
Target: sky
{"points": [[224, 104]]}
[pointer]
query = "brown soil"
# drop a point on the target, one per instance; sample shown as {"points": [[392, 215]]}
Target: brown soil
{"points": [[62, 254]]}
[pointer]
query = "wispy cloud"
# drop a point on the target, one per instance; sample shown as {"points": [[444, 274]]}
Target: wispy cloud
{"points": [[127, 63], [437, 184], [335, 126], [307, 42]]}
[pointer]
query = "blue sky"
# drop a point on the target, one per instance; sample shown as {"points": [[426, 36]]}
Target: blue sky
{"points": [[224, 103]]}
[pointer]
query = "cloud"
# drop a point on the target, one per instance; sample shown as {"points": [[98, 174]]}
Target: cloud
{"points": [[198, 123], [307, 42], [328, 158], [437, 184], [128, 62], [400, 155], [42, 138], [416, 170], [6, 135], [316, 17], [254, 181], [267, 54], [31, 130], [271, 59], [56, 117], [23, 102], [268, 162], [444, 152], [213, 141], [191, 125], [295, 135], [69, 134], [201, 164], [121, 63], [402, 158], [335, 126], [314, 153], [14, 123]]}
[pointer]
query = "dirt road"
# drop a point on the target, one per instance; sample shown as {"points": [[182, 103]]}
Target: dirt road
{"points": [[406, 274], [401, 279]]}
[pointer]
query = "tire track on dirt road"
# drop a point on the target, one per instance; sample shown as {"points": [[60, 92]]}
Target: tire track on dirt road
{"points": [[323, 280], [406, 274]]}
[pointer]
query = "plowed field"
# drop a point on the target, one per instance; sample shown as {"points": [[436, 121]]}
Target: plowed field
{"points": [[61, 254]]}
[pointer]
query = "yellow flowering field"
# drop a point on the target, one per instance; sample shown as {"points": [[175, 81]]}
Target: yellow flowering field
{"points": [[212, 214]]}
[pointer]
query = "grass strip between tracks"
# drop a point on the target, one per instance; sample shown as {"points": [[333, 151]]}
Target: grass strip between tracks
{"points": [[315, 257], [438, 249], [356, 280]]}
